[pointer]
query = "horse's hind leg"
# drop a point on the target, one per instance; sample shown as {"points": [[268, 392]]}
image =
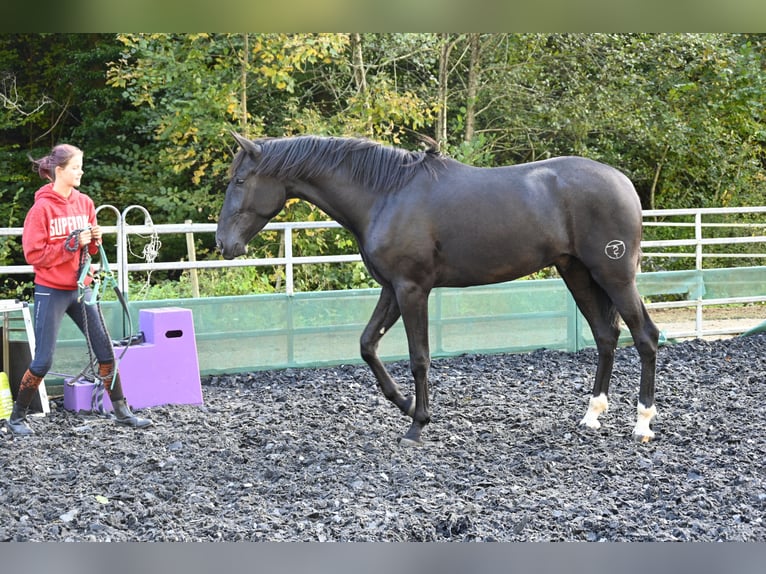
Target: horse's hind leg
{"points": [[384, 316], [601, 314], [645, 337]]}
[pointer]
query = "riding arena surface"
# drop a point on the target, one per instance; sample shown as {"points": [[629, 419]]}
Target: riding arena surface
{"points": [[313, 455]]}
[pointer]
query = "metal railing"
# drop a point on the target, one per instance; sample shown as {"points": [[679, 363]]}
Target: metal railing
{"points": [[123, 267], [699, 248]]}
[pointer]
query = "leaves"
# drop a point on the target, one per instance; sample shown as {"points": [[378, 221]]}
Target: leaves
{"points": [[681, 114]]}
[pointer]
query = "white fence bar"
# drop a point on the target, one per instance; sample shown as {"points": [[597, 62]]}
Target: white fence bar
{"points": [[699, 243], [699, 247]]}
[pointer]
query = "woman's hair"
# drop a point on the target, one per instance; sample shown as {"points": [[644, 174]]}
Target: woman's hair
{"points": [[59, 157]]}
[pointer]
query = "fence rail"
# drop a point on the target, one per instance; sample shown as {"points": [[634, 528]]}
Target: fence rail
{"points": [[699, 247], [702, 248]]}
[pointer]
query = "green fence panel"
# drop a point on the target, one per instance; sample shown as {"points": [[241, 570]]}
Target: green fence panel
{"points": [[245, 333], [739, 282]]}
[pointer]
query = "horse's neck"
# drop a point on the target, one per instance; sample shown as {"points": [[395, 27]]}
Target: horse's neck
{"points": [[346, 204]]}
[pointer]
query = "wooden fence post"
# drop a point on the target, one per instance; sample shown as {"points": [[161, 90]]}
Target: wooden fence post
{"points": [[192, 258]]}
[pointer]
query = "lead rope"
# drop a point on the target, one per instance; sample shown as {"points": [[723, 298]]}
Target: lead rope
{"points": [[99, 283]]}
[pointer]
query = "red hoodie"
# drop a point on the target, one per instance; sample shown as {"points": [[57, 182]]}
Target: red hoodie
{"points": [[46, 227]]}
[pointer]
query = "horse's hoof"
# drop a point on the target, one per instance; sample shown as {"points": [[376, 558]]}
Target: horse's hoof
{"points": [[408, 442], [596, 405], [590, 423], [412, 436], [643, 438], [642, 432]]}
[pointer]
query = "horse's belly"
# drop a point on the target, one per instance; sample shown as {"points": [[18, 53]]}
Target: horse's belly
{"points": [[473, 266], [487, 246]]}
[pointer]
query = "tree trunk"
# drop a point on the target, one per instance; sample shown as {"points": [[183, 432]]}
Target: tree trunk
{"points": [[473, 86], [357, 63], [243, 102], [657, 171], [443, 89], [360, 79]]}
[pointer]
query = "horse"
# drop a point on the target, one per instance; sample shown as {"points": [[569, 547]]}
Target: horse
{"points": [[423, 220]]}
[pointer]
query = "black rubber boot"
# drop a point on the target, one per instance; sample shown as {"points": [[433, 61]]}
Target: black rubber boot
{"points": [[125, 417], [17, 423]]}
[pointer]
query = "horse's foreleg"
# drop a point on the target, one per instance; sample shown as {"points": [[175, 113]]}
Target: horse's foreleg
{"points": [[384, 316], [413, 303]]}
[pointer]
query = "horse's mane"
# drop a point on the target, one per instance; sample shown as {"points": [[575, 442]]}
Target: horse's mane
{"points": [[368, 163]]}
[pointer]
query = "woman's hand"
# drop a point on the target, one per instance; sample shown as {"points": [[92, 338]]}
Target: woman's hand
{"points": [[90, 234], [95, 232]]}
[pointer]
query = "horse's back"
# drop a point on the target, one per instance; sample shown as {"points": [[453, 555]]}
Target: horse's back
{"points": [[572, 177], [472, 225], [567, 191]]}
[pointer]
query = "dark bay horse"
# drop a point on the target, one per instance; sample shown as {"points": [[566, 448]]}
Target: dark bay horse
{"points": [[423, 221]]}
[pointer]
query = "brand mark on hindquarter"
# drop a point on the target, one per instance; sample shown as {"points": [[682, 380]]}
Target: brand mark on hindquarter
{"points": [[615, 249]]}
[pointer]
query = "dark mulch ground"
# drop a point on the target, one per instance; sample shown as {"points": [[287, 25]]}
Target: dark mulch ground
{"points": [[312, 454]]}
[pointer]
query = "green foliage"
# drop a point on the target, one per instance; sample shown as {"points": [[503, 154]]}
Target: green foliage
{"points": [[475, 152], [212, 283], [185, 86], [681, 114], [677, 112]]}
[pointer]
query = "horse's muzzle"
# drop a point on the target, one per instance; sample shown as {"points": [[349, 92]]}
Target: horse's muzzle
{"points": [[230, 251]]}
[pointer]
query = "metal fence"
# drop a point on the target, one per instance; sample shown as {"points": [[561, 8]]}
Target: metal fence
{"points": [[732, 234], [704, 234]]}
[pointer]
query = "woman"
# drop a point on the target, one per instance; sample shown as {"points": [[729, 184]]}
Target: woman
{"points": [[60, 224]]}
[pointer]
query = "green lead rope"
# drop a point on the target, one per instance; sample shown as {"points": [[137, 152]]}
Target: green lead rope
{"points": [[101, 282]]}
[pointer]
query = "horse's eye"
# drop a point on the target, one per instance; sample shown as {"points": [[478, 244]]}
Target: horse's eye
{"points": [[239, 181]]}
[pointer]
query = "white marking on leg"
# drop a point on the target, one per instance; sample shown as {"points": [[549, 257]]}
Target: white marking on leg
{"points": [[645, 416], [596, 406], [382, 331]]}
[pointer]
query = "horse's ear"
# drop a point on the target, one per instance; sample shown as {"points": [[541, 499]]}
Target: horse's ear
{"points": [[249, 146]]}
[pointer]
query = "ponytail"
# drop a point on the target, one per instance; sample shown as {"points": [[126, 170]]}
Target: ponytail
{"points": [[44, 166], [58, 157]]}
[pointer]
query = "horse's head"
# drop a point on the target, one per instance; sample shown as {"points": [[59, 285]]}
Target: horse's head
{"points": [[251, 201]]}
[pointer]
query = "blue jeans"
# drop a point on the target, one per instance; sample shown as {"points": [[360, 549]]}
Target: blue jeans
{"points": [[50, 307]]}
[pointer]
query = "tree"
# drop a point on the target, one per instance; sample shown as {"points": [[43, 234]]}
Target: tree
{"points": [[681, 114]]}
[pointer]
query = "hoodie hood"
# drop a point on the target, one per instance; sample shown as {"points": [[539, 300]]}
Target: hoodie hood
{"points": [[46, 193]]}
